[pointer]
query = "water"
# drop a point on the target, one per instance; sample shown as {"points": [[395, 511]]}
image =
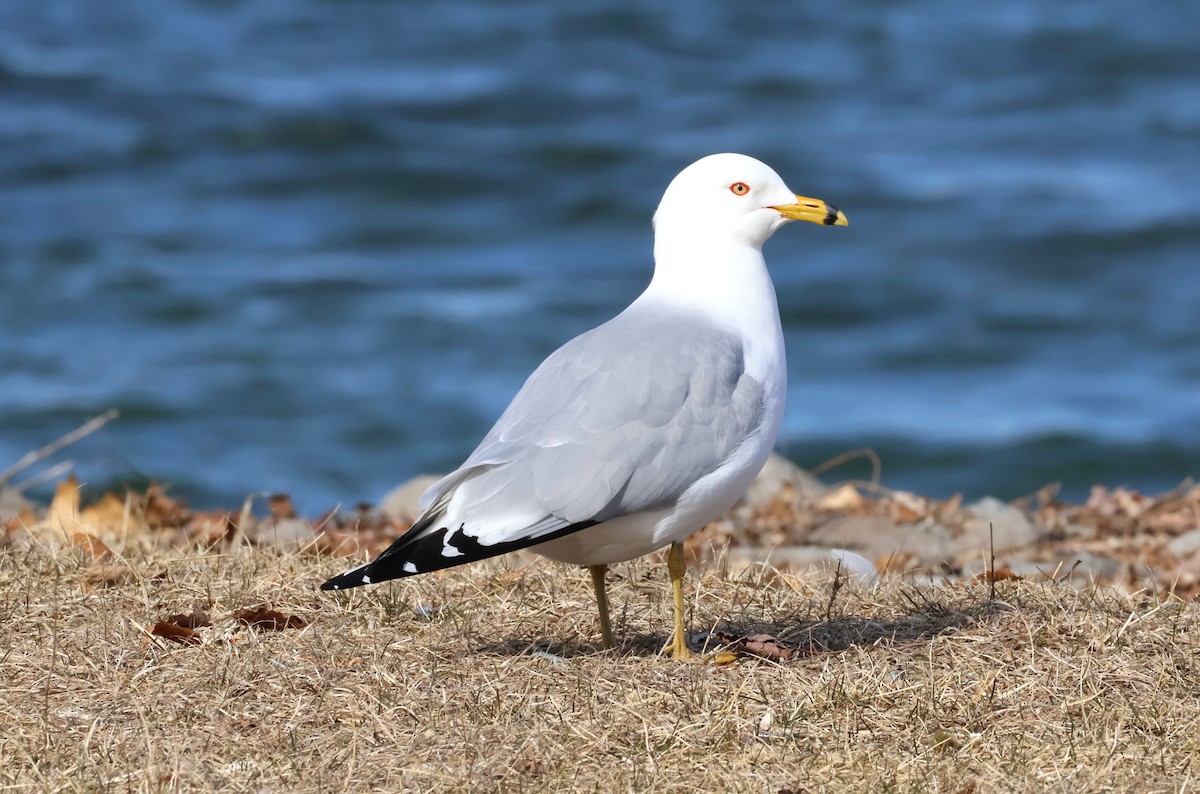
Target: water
{"points": [[317, 246]]}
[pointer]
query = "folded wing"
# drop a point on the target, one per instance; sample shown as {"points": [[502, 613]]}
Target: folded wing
{"points": [[620, 420]]}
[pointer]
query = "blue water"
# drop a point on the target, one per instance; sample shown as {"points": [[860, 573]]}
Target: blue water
{"points": [[316, 246]]}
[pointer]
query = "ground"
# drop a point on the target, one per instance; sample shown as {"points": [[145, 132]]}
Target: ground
{"points": [[490, 677]]}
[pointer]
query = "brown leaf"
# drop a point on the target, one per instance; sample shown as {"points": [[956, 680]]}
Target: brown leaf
{"points": [[110, 515], [907, 508], [897, 562], [174, 632], [21, 521], [264, 618], [281, 507], [198, 619], [843, 499], [763, 645], [205, 529], [164, 512], [92, 546], [63, 513], [1001, 574]]}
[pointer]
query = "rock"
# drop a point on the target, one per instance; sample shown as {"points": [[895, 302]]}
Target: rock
{"points": [[11, 504], [400, 504], [877, 538], [1186, 544], [994, 525], [1012, 568], [285, 533], [777, 472], [801, 560], [1083, 567], [855, 566], [1077, 531], [1080, 568]]}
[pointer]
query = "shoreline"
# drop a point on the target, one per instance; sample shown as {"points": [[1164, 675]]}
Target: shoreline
{"points": [[789, 521]]}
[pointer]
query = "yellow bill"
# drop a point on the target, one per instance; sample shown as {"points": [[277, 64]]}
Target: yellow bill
{"points": [[812, 210]]}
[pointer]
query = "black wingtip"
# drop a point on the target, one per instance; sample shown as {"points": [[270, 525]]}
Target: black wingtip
{"points": [[354, 577], [414, 554]]}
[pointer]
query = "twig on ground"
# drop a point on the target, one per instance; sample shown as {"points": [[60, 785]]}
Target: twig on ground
{"points": [[833, 590], [30, 458], [838, 460], [52, 473], [992, 564]]}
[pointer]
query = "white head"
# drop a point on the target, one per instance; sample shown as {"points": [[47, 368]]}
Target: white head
{"points": [[737, 198]]}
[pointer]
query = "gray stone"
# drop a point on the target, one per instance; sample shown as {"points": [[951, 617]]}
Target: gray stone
{"points": [[997, 526], [400, 504], [808, 560], [1079, 568], [777, 472], [285, 533], [877, 538], [1186, 544], [11, 504], [1084, 567], [1078, 531]]}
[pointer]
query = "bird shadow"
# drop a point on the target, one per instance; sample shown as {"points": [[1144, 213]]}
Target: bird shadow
{"points": [[802, 635], [633, 645], [808, 635]]}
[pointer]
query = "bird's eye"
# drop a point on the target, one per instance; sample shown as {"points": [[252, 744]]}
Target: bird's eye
{"points": [[739, 188]]}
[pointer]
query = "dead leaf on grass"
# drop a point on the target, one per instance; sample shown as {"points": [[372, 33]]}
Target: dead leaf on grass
{"points": [[92, 546], [907, 508], [281, 507], [63, 513], [175, 633], [763, 645], [162, 511], [264, 618], [1002, 574], [197, 619], [204, 530], [843, 499], [897, 562], [110, 515]]}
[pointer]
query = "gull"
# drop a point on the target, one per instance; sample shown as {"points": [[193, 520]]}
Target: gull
{"points": [[636, 434]]}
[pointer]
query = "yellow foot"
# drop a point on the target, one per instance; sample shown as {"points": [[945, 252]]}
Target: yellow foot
{"points": [[677, 650], [676, 567]]}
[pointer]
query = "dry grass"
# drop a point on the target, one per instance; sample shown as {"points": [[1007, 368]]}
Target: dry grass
{"points": [[490, 678]]}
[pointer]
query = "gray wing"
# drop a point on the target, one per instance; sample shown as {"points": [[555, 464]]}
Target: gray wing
{"points": [[620, 420]]}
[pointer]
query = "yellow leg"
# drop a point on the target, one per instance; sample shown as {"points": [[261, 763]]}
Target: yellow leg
{"points": [[598, 572], [677, 567]]}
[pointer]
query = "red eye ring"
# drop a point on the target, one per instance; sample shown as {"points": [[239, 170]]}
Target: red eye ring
{"points": [[739, 188]]}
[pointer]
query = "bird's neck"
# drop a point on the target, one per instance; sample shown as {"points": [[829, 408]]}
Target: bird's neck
{"points": [[726, 281]]}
